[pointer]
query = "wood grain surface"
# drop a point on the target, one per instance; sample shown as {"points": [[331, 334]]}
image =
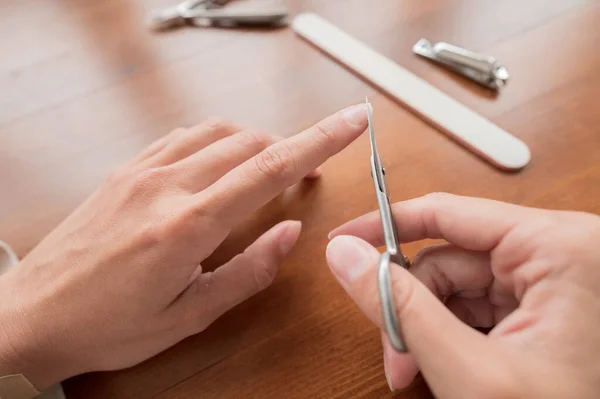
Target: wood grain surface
{"points": [[84, 86]]}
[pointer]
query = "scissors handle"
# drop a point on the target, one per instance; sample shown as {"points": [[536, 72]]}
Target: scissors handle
{"points": [[235, 17], [211, 12], [386, 297]]}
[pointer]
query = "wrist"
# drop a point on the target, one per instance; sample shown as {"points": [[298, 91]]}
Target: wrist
{"points": [[21, 349]]}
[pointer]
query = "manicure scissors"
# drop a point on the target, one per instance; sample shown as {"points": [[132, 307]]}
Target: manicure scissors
{"points": [[393, 252]]}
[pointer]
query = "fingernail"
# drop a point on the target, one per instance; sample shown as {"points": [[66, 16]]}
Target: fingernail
{"points": [[331, 234], [348, 257], [389, 380], [289, 236], [387, 374], [355, 115]]}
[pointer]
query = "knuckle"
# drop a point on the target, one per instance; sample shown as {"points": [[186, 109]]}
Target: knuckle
{"points": [[325, 134], [543, 231], [427, 255], [424, 253], [183, 143], [203, 207], [263, 273], [255, 139], [147, 181], [437, 197], [152, 234], [174, 137], [324, 130], [179, 223], [428, 261], [497, 387], [183, 223], [186, 136], [177, 135], [118, 176], [275, 163], [217, 123], [547, 221], [168, 229], [404, 292], [180, 131]]}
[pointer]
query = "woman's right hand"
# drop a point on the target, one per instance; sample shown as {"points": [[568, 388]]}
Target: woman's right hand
{"points": [[531, 274]]}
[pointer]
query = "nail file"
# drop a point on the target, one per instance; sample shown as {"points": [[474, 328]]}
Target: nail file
{"points": [[478, 134]]}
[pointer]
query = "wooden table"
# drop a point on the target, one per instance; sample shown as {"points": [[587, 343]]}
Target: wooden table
{"points": [[84, 86]]}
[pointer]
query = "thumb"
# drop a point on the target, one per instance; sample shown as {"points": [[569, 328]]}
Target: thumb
{"points": [[214, 293], [450, 354]]}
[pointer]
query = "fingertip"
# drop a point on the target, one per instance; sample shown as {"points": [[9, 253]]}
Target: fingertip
{"points": [[341, 231], [366, 227], [315, 173], [355, 115], [344, 229], [349, 258], [386, 364], [388, 378], [400, 368], [290, 232], [333, 233]]}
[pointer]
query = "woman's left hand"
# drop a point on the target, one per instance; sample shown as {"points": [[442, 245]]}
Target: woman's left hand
{"points": [[120, 279]]}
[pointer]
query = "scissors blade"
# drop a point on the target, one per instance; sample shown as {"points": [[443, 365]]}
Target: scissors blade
{"points": [[376, 168], [371, 130], [387, 219], [393, 252]]}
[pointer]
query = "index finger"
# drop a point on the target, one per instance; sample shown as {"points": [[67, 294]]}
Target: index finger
{"points": [[472, 223], [264, 176]]}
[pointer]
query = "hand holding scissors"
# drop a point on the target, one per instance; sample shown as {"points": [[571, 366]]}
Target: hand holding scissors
{"points": [[530, 275]]}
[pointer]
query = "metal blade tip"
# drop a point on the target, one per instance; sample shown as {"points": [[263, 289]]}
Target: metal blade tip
{"points": [[369, 106]]}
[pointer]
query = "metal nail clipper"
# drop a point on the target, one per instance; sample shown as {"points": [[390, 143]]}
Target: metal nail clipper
{"points": [[392, 252], [214, 13], [483, 69]]}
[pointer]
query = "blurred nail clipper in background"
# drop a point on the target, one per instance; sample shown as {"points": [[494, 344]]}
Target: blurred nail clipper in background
{"points": [[481, 68], [214, 13]]}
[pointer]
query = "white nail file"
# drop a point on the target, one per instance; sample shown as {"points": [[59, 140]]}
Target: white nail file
{"points": [[463, 124]]}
